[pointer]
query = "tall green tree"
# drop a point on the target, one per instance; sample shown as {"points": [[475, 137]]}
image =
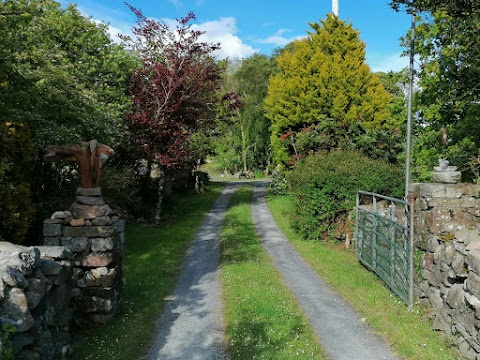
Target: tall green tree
{"points": [[60, 74], [62, 80], [448, 77], [243, 141], [324, 95]]}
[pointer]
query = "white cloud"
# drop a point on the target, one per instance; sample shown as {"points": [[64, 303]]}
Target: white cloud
{"points": [[386, 62], [224, 31], [278, 39]]}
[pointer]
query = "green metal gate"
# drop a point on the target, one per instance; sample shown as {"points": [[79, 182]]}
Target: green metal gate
{"points": [[384, 241]]}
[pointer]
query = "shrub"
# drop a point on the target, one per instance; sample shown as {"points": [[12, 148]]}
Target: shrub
{"points": [[16, 207], [324, 187]]}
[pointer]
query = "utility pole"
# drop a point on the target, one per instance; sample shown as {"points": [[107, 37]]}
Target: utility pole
{"points": [[335, 7], [410, 101]]}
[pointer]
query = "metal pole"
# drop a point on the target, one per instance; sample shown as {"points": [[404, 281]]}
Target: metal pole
{"points": [[410, 100], [335, 7], [411, 199]]}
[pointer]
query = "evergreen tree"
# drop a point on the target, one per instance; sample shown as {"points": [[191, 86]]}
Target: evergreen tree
{"points": [[324, 95]]}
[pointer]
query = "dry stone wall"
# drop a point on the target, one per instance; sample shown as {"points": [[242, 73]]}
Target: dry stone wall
{"points": [[447, 239], [35, 293], [77, 276]]}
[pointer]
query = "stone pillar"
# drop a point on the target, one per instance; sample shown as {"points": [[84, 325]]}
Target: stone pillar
{"points": [[95, 235]]}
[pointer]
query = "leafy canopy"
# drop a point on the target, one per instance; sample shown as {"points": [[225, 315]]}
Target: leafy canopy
{"points": [[323, 82], [172, 89]]}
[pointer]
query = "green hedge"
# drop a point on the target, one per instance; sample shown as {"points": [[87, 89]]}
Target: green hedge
{"points": [[324, 187]]}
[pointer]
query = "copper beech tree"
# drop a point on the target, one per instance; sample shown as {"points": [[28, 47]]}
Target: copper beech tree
{"points": [[171, 90]]}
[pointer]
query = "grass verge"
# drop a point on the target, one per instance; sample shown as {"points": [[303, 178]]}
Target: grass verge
{"points": [[154, 256], [261, 316], [408, 331]]}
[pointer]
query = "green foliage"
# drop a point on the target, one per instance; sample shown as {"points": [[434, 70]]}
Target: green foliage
{"points": [[60, 74], [16, 208], [325, 186], [6, 348], [323, 80], [446, 45], [243, 141]]}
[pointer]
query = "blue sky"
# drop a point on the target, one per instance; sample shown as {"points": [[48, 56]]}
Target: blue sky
{"points": [[244, 27]]}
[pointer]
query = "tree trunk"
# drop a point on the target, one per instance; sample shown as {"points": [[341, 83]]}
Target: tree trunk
{"points": [[198, 181], [244, 149], [158, 209]]}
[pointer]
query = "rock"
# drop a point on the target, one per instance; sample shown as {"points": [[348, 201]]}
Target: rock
{"points": [[89, 231], [103, 292], [89, 191], [473, 284], [435, 297], [446, 177], [119, 226], [100, 277], [90, 304], [15, 307], [59, 215], [468, 236], [51, 241], [473, 260], [474, 303], [55, 252], [101, 221], [75, 244], [37, 285], [427, 261], [459, 266], [96, 259], [33, 299], [102, 244], [50, 267], [77, 222], [435, 220], [442, 323], [13, 278], [52, 230], [90, 200], [19, 341], [466, 350], [89, 212], [431, 278], [455, 297], [18, 257]]}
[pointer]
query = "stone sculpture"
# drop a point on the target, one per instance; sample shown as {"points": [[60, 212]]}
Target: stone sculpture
{"points": [[91, 156]]}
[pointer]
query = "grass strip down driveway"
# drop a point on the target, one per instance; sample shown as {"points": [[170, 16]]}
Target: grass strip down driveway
{"points": [[262, 318], [153, 260], [408, 331]]}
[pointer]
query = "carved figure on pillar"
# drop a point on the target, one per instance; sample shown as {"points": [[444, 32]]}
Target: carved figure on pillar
{"points": [[91, 156]]}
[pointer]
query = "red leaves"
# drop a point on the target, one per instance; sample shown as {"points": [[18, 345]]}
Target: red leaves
{"points": [[170, 90]]}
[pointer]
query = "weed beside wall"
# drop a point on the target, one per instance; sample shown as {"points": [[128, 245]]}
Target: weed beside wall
{"points": [[324, 186]]}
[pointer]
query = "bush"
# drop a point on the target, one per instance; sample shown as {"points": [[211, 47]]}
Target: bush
{"points": [[324, 187], [16, 207]]}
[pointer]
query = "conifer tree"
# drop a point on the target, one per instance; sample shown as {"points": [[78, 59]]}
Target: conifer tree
{"points": [[324, 94]]}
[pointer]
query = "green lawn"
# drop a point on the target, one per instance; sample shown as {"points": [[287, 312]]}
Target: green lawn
{"points": [[408, 331], [262, 318], [154, 256]]}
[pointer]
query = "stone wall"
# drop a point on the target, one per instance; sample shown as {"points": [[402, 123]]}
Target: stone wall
{"points": [[95, 236], [77, 276], [35, 293], [447, 239]]}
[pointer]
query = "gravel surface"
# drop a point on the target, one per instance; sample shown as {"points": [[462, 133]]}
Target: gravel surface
{"points": [[342, 333], [191, 326]]}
